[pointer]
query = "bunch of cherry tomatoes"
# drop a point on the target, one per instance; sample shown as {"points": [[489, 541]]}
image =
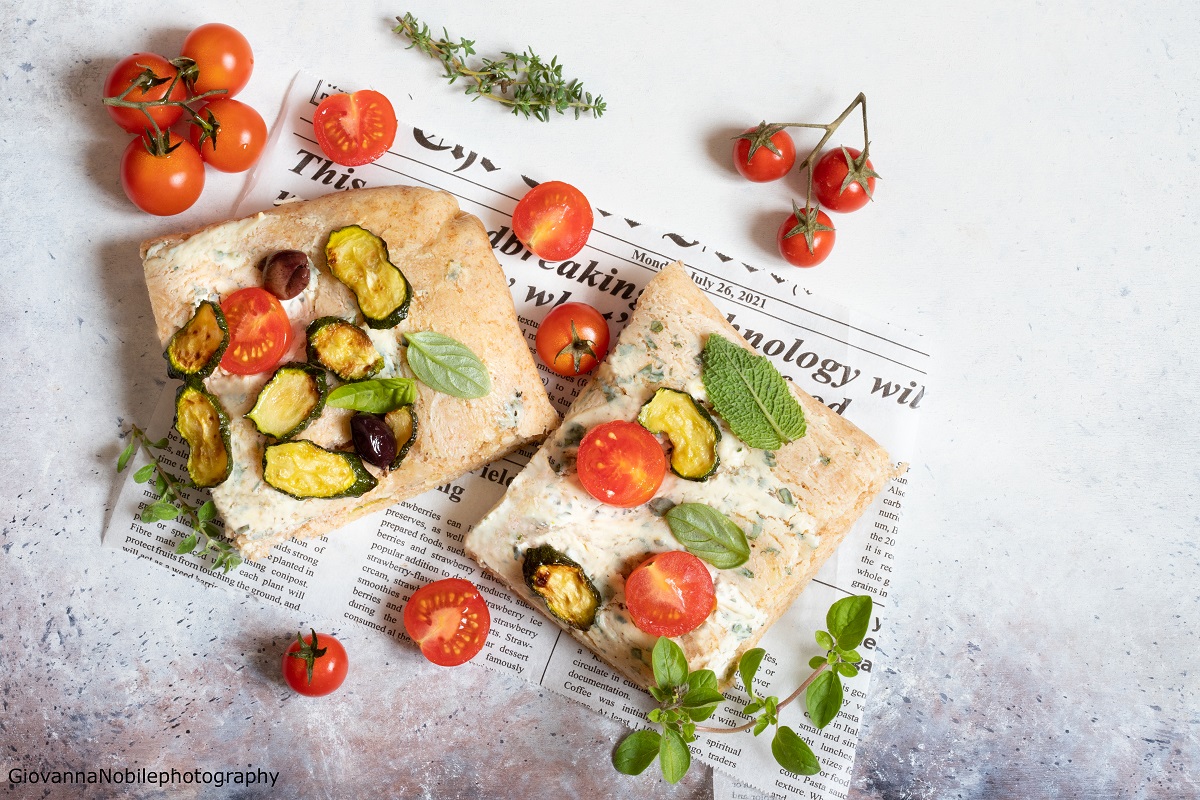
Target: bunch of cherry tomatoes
{"points": [[162, 171]]}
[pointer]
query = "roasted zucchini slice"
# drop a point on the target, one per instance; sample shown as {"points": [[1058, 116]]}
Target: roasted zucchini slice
{"points": [[692, 432], [359, 259], [343, 348], [562, 584], [196, 348], [289, 401], [303, 470], [202, 422], [403, 422]]}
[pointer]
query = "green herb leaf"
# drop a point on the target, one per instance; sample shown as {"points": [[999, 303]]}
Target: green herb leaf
{"points": [[748, 667], [160, 510], [655, 715], [659, 695], [753, 707], [750, 394], [824, 698], [674, 756], [447, 365], [848, 620], [126, 454], [636, 752], [206, 512], [793, 753], [851, 656], [816, 661], [161, 444], [144, 474], [824, 640], [703, 697], [849, 670], [377, 396], [187, 545], [708, 534], [761, 725], [670, 664]]}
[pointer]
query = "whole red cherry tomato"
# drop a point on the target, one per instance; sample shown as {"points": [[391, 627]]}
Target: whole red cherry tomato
{"points": [[315, 665], [131, 69], [553, 220], [805, 239], [449, 620], [621, 463], [765, 153], [223, 59], [162, 176], [572, 339], [844, 180], [237, 135], [669, 594]]}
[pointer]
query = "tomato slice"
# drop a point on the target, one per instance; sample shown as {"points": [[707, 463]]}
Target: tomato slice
{"points": [[621, 463], [670, 594], [553, 220], [449, 620], [355, 129], [259, 331]]}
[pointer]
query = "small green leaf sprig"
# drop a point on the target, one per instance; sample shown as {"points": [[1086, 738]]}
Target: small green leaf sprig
{"points": [[170, 504], [524, 82], [686, 698]]}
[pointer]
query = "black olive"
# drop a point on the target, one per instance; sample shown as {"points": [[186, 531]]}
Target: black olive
{"points": [[373, 439], [285, 274]]}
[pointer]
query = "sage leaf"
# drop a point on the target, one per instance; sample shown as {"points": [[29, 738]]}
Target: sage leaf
{"points": [[636, 752], [848, 620], [447, 365], [670, 664], [748, 668], [126, 454], [144, 474], [750, 394], [824, 698], [708, 534], [674, 756], [793, 753], [377, 396], [187, 545]]}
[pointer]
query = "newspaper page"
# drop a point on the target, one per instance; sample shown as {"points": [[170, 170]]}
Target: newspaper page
{"points": [[871, 372]]}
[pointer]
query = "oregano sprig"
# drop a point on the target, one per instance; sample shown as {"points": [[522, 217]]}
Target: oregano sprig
{"points": [[686, 698], [527, 84], [170, 504]]}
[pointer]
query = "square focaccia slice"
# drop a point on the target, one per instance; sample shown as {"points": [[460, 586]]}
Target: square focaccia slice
{"points": [[456, 288], [795, 505]]}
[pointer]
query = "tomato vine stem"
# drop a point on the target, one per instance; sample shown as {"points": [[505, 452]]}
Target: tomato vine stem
{"points": [[148, 80]]}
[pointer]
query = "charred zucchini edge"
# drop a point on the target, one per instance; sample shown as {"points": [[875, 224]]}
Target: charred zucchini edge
{"points": [[535, 565], [315, 355], [177, 370], [362, 482], [317, 374], [399, 312], [194, 453], [676, 451]]}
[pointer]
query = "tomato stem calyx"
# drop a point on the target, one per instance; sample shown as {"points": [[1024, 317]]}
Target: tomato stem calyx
{"points": [[578, 348], [309, 652], [807, 224], [148, 80]]}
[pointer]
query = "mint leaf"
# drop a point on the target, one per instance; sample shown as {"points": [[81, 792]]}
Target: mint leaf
{"points": [[708, 534], [674, 755], [750, 394], [824, 698], [636, 752], [447, 365], [748, 668], [848, 620], [793, 753], [670, 664], [377, 396]]}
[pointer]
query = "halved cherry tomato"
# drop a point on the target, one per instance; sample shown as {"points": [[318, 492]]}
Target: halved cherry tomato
{"points": [[259, 331], [839, 178], [793, 242], [315, 665], [553, 220], [239, 137], [162, 179], [223, 58], [126, 72], [572, 339], [355, 129], [621, 463], [449, 620], [669, 594]]}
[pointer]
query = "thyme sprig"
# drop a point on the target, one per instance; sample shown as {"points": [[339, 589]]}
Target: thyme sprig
{"points": [[686, 698], [528, 85], [170, 504]]}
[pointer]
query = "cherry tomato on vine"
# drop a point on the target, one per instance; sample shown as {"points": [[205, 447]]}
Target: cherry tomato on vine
{"points": [[843, 180], [355, 129], [553, 220], [259, 331], [754, 158], [805, 239], [238, 139], [162, 178], [669, 594], [223, 58], [125, 73], [572, 339], [621, 463], [449, 620], [315, 665]]}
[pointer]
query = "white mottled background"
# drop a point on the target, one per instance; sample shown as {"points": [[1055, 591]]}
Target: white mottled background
{"points": [[1037, 219]]}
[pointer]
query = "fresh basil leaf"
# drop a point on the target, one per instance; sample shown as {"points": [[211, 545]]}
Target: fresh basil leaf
{"points": [[793, 753], [674, 756], [708, 534], [824, 698], [748, 668], [703, 696], [848, 620], [126, 454], [670, 664], [144, 474], [636, 752], [750, 394], [824, 640], [447, 365], [377, 396], [187, 545]]}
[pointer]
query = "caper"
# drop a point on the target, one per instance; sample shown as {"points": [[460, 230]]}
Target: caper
{"points": [[373, 439], [286, 273]]}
